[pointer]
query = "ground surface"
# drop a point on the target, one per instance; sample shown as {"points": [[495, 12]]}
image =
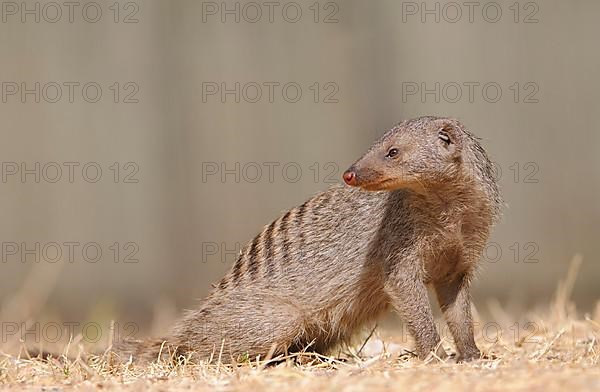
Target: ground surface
{"points": [[555, 348], [558, 355]]}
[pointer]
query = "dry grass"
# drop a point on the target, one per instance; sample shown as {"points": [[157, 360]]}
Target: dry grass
{"points": [[556, 350]]}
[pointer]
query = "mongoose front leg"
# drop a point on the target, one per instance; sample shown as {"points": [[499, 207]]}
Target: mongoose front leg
{"points": [[455, 301], [409, 297]]}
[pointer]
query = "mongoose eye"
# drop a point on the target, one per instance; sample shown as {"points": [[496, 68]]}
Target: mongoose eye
{"points": [[393, 152], [443, 135]]}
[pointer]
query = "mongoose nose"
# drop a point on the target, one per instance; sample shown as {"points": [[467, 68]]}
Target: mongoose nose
{"points": [[350, 177]]}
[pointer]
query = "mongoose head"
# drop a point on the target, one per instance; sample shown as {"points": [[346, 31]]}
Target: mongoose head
{"points": [[416, 154]]}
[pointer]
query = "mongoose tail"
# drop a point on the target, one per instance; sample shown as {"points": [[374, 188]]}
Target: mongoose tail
{"points": [[146, 350]]}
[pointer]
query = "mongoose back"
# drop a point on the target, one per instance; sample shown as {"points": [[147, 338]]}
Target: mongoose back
{"points": [[416, 210]]}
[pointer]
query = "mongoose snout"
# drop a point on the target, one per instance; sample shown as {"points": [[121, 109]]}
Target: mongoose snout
{"points": [[322, 270], [350, 177]]}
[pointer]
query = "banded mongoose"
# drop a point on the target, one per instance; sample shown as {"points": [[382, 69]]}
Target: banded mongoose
{"points": [[417, 210]]}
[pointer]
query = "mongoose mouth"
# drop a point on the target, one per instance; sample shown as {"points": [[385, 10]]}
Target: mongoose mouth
{"points": [[383, 185], [388, 184]]}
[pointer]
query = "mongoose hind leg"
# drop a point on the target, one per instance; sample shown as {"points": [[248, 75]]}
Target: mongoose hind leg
{"points": [[269, 326]]}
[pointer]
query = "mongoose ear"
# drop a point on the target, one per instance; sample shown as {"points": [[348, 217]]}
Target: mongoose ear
{"points": [[452, 128]]}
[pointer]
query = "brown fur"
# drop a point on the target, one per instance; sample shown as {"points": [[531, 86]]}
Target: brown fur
{"points": [[324, 269]]}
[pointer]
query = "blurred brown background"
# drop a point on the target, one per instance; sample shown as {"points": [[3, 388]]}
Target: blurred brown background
{"points": [[361, 66]]}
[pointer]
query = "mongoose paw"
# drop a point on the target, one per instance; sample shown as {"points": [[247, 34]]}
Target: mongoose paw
{"points": [[489, 357], [469, 356]]}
